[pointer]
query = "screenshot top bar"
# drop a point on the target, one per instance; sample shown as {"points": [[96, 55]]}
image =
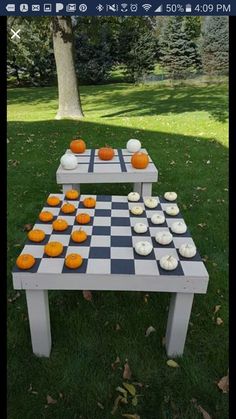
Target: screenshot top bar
{"points": [[110, 8]]}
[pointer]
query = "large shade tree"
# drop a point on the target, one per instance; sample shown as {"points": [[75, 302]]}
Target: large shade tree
{"points": [[68, 89]]}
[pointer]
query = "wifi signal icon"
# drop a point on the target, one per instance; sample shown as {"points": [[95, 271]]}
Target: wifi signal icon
{"points": [[146, 7]]}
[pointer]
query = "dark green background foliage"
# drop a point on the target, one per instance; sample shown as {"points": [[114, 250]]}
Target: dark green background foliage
{"points": [[135, 45]]}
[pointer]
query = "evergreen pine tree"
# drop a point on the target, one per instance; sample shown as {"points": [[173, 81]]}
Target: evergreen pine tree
{"points": [[215, 45], [178, 50]]}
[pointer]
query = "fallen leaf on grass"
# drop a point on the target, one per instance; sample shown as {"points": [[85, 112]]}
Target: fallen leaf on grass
{"points": [[204, 413], [202, 225], [217, 308], [134, 401], [219, 321], [122, 390], [28, 227], [118, 327], [13, 299], [131, 389], [100, 405], [116, 404], [199, 188], [172, 363], [50, 400], [127, 372], [129, 416], [146, 296], [223, 384], [87, 295], [149, 330], [115, 363]]}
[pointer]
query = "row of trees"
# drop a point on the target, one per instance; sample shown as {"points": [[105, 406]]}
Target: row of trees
{"points": [[181, 45]]}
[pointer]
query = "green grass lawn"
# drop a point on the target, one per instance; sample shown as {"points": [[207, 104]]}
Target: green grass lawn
{"points": [[185, 130]]}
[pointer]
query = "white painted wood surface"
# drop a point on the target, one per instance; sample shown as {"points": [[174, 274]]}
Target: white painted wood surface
{"points": [[39, 320], [177, 324]]}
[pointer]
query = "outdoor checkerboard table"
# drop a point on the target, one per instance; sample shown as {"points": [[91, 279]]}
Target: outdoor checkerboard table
{"points": [[111, 263], [118, 170]]}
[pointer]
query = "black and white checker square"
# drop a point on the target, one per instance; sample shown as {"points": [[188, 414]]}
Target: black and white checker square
{"points": [[109, 248]]}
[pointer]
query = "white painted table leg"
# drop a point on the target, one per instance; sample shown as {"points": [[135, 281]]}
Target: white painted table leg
{"points": [[66, 187], [177, 324], [147, 189], [137, 188], [39, 320], [76, 186]]}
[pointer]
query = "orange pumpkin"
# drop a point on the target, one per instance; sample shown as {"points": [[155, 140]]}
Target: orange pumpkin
{"points": [[68, 208], [53, 249], [59, 224], [79, 236], [72, 194], [46, 216], [25, 261], [139, 160], [36, 235], [89, 202], [73, 261], [83, 218], [78, 146], [106, 153], [53, 201]]}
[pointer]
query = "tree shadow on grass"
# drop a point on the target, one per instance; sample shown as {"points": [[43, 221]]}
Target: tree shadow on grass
{"points": [[135, 101]]}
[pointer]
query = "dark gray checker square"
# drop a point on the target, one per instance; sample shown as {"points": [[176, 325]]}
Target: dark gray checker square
{"points": [[147, 233], [120, 221], [177, 271], [71, 214], [156, 225], [85, 243], [164, 246], [196, 258], [120, 205], [31, 270], [104, 198], [186, 234], [87, 224], [102, 213], [165, 201], [179, 215], [99, 253], [157, 208], [122, 266], [101, 231], [81, 270], [121, 241], [62, 255], [151, 256], [47, 222], [38, 243], [68, 230]]}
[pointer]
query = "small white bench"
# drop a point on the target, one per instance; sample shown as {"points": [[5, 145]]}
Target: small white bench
{"points": [[118, 170]]}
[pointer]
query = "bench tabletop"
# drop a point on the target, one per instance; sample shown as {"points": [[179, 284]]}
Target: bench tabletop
{"points": [[110, 261]]}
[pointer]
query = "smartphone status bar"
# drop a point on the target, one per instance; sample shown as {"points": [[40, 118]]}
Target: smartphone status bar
{"points": [[101, 8]]}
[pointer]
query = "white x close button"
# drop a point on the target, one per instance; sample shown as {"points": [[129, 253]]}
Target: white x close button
{"points": [[15, 34]]}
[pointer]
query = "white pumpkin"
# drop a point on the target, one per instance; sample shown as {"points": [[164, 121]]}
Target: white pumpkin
{"points": [[172, 210], [164, 237], [68, 161], [179, 227], [133, 145], [137, 210], [143, 248], [133, 196], [158, 218], [187, 250], [170, 196], [140, 228], [168, 262], [150, 202]]}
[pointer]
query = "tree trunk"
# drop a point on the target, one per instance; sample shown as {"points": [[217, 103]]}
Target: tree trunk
{"points": [[69, 99]]}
